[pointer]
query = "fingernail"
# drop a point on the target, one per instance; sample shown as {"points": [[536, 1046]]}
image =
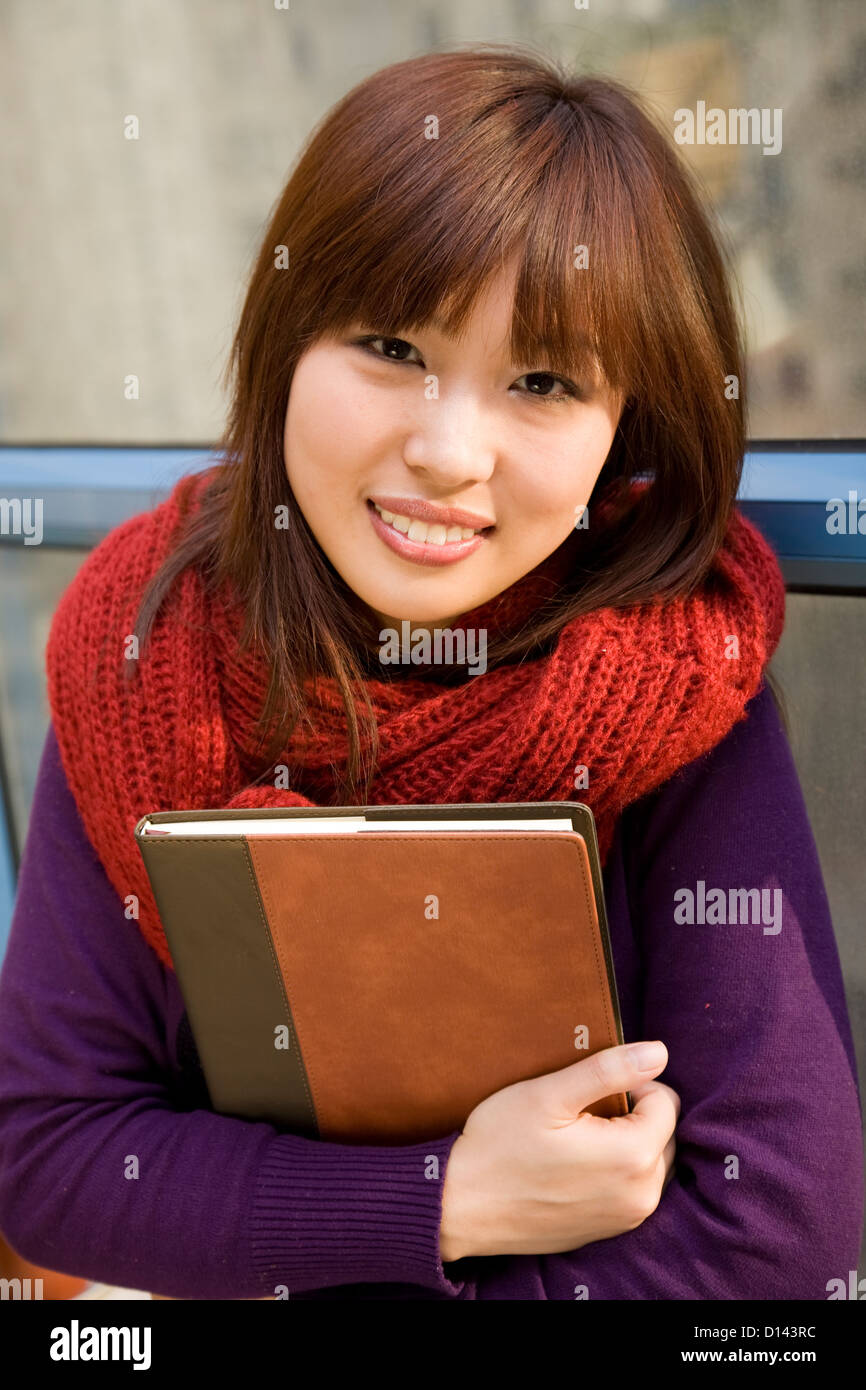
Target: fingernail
{"points": [[647, 1056]]}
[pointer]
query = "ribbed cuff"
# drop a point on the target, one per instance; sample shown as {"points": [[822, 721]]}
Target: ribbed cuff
{"points": [[327, 1214]]}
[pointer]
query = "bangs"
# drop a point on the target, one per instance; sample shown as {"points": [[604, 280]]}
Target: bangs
{"points": [[553, 200]]}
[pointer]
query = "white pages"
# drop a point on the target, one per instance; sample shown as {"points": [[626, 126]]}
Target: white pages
{"points": [[294, 825]]}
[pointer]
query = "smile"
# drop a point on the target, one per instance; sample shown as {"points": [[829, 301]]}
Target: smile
{"points": [[427, 534], [422, 543]]}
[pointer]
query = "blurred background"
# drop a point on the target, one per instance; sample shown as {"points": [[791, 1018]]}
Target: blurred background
{"points": [[129, 256]]}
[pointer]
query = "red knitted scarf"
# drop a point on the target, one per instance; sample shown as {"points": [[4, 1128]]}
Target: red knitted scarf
{"points": [[631, 694]]}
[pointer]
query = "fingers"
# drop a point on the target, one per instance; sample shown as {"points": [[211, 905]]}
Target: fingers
{"points": [[646, 1088], [655, 1115], [667, 1159], [605, 1073]]}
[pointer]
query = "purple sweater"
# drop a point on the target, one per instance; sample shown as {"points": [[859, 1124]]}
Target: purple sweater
{"points": [[97, 1064]]}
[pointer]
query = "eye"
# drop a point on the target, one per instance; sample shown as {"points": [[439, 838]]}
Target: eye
{"points": [[543, 382], [392, 351], [389, 343]]}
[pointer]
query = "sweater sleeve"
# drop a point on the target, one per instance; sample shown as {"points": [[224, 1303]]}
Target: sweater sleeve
{"points": [[767, 1198], [104, 1176]]}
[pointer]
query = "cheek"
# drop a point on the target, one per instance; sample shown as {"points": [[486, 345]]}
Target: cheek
{"points": [[331, 421], [325, 419], [564, 476]]}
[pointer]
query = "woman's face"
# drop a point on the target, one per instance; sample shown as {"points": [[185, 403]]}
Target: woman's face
{"points": [[453, 424]]}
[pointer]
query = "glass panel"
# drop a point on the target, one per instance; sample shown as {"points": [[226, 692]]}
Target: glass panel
{"points": [[31, 582], [128, 256]]}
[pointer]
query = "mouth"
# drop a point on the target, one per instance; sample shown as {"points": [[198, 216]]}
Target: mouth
{"points": [[424, 543]]}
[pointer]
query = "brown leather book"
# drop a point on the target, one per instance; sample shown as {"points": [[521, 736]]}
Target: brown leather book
{"points": [[368, 974]]}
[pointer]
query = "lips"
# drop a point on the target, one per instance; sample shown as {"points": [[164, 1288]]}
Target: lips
{"points": [[435, 515], [425, 532], [424, 552]]}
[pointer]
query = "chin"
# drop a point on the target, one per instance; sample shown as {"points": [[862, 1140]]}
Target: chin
{"points": [[401, 607], [419, 616]]}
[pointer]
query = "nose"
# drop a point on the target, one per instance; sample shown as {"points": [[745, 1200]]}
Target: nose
{"points": [[451, 446]]}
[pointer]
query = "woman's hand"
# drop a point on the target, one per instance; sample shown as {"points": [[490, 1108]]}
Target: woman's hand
{"points": [[531, 1174]]}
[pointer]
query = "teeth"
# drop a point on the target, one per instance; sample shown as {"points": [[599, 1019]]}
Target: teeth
{"points": [[433, 534]]}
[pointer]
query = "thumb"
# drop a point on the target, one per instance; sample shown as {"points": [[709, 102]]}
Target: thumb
{"points": [[571, 1089]]}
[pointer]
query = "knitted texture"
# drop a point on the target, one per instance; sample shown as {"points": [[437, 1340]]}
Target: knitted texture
{"points": [[632, 694]]}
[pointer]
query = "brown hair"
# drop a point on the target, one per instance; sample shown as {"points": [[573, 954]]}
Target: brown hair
{"points": [[384, 225]]}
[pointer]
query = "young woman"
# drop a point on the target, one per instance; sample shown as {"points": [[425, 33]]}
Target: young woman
{"points": [[488, 377]]}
